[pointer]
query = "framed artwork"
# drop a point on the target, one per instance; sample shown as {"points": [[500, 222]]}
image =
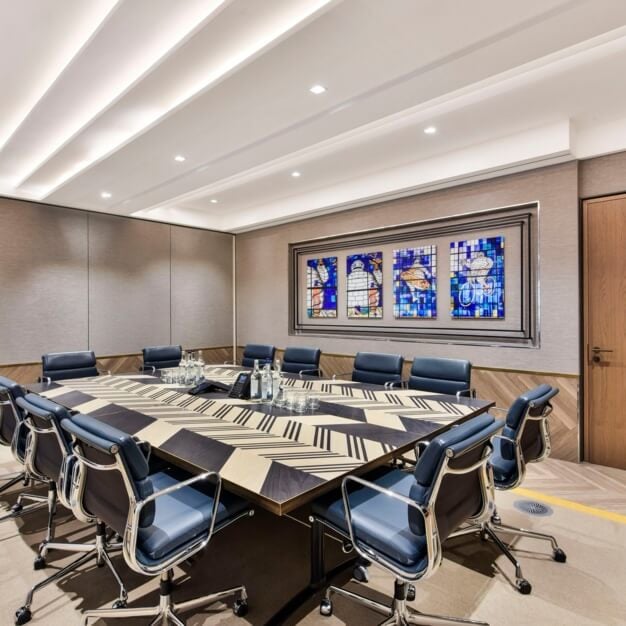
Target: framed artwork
{"points": [[415, 282], [364, 285], [477, 278], [321, 287]]}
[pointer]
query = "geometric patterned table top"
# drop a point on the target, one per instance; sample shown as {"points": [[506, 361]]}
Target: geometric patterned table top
{"points": [[276, 458]]}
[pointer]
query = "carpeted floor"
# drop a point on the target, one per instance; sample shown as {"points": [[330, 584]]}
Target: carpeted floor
{"points": [[270, 556]]}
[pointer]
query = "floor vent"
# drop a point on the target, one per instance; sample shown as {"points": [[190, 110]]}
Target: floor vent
{"points": [[533, 508]]}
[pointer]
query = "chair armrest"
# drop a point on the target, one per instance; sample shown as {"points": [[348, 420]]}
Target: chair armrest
{"points": [[497, 408], [134, 517], [505, 439], [103, 372], [461, 393], [145, 367], [44, 379], [145, 447], [231, 362], [366, 551], [335, 376], [316, 370]]}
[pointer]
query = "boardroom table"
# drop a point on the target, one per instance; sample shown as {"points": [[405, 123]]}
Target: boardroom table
{"points": [[277, 459]]}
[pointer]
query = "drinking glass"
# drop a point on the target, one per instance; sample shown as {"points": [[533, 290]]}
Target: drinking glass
{"points": [[313, 401], [290, 398], [300, 402]]}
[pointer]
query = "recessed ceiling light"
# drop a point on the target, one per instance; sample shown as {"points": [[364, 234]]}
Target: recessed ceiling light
{"points": [[317, 89], [179, 157], [213, 201], [430, 130], [296, 174], [105, 195]]}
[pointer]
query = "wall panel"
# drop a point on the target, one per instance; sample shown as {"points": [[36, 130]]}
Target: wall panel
{"points": [[43, 279], [129, 284], [202, 283]]}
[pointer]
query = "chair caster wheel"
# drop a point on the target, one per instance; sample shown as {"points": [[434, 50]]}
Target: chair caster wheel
{"points": [[119, 604], [410, 593], [240, 608], [326, 608], [559, 556], [496, 520], [39, 563], [524, 587], [360, 573], [16, 509], [23, 616]]}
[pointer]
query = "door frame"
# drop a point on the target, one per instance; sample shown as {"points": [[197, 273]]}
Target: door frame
{"points": [[585, 203]]}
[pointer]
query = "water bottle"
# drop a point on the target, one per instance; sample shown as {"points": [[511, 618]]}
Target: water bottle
{"points": [[266, 383], [255, 382], [277, 378]]}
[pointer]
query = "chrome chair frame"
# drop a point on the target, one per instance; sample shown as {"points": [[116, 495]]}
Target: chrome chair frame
{"points": [[98, 549], [489, 529], [166, 609], [399, 612], [26, 477]]}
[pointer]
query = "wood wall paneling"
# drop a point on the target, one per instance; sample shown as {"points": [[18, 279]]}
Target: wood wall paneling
{"points": [[29, 372]]}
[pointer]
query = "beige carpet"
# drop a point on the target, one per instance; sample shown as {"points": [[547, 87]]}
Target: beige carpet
{"points": [[270, 556]]}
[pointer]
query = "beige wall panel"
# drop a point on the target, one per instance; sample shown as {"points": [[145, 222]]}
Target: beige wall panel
{"points": [[262, 264], [603, 175], [202, 276], [129, 284], [43, 280]]}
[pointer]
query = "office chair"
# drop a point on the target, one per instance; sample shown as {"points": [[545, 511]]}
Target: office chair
{"points": [[164, 520], [161, 357], [66, 365], [14, 433], [376, 369], [303, 361], [448, 376], [399, 520], [49, 457], [253, 352], [525, 439]]}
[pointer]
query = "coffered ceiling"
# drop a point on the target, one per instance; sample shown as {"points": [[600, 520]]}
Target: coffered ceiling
{"points": [[200, 112]]}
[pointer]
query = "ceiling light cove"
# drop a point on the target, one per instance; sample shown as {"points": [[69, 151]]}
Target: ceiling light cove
{"points": [[179, 158], [317, 89], [105, 194], [430, 130]]}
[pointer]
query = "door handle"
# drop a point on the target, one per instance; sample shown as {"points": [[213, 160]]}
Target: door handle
{"points": [[596, 358]]}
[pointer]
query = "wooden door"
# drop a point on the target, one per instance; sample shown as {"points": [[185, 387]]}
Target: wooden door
{"points": [[604, 277]]}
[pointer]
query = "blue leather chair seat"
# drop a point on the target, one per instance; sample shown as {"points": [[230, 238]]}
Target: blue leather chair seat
{"points": [[297, 359], [377, 368], [258, 352], [161, 357], [181, 517], [379, 521], [438, 375], [66, 365]]}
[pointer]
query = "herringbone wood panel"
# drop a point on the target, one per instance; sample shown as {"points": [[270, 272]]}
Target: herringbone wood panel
{"points": [[28, 372]]}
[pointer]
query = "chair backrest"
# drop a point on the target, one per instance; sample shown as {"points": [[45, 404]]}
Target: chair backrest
{"points": [[161, 357], [257, 351], [448, 376], [48, 447], [11, 416], [377, 368], [451, 476], [306, 360], [64, 365], [527, 424], [106, 493]]}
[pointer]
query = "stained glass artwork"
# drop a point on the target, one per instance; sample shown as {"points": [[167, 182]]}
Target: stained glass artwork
{"points": [[477, 278], [415, 282], [364, 285], [321, 282]]}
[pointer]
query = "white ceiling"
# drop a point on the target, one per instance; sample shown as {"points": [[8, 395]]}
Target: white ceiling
{"points": [[100, 96]]}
